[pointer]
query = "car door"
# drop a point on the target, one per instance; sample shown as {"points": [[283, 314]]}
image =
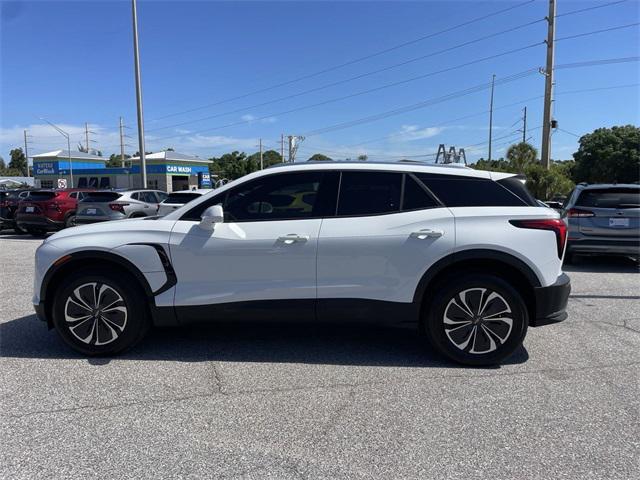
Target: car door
{"points": [[387, 232], [265, 251]]}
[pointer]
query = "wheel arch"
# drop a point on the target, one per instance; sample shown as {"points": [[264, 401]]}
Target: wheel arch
{"points": [[98, 259], [484, 261]]}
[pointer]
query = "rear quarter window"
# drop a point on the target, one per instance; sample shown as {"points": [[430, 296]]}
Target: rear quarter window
{"points": [[41, 196], [101, 197], [461, 191]]}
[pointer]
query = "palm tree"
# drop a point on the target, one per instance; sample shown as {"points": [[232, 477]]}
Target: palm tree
{"points": [[520, 155]]}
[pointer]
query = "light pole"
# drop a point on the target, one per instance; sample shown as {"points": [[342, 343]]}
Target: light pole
{"points": [[66, 135], [136, 61]]}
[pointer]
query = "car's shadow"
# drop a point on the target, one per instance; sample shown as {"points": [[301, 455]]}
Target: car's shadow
{"points": [[602, 264], [360, 345]]}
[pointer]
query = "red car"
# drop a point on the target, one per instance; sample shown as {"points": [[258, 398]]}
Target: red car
{"points": [[49, 210]]}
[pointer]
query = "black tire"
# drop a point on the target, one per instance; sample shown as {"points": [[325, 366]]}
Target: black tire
{"points": [[36, 232], [70, 220], [488, 341], [125, 324]]}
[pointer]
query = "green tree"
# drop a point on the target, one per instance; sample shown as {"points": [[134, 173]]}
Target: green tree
{"points": [[319, 157], [499, 165], [608, 155], [545, 184], [363, 158], [520, 155], [115, 161], [2, 164], [18, 161], [269, 157]]}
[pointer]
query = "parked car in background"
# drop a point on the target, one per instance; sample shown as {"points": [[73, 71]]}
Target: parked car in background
{"points": [[9, 200], [106, 205], [177, 199], [49, 210], [603, 220]]}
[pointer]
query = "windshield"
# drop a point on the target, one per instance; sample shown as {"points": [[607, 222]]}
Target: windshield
{"points": [[101, 197], [181, 198], [610, 198]]}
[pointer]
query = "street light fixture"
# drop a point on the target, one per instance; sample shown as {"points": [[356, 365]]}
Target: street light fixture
{"points": [[66, 135]]}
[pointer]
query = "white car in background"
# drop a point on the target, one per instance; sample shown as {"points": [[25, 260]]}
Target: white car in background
{"points": [[177, 199], [466, 256]]}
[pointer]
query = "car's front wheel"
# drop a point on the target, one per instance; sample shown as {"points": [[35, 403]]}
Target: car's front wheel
{"points": [[100, 313], [476, 320]]}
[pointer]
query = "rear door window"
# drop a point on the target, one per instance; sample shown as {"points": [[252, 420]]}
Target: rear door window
{"points": [[462, 191], [41, 196], [618, 198], [415, 196], [369, 193]]}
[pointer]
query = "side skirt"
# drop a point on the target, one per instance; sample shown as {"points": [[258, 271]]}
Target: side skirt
{"points": [[334, 310]]}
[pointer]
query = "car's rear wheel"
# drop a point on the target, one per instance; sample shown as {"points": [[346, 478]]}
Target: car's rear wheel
{"points": [[100, 313], [476, 320]]}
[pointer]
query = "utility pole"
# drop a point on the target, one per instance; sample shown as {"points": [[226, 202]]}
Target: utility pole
{"points": [[86, 135], [282, 147], [493, 81], [524, 126], [293, 146], [548, 86], [261, 161], [26, 151], [136, 61], [121, 143]]}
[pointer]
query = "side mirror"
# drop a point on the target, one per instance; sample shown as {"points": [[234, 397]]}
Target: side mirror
{"points": [[211, 216]]}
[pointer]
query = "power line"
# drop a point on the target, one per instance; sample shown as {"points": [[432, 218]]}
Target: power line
{"points": [[364, 92], [350, 79], [567, 131], [573, 12], [354, 61], [596, 32]]}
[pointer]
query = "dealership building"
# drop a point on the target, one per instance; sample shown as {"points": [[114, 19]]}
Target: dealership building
{"points": [[167, 170]]}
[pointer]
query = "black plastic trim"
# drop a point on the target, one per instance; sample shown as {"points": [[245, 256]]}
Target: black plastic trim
{"points": [[551, 302], [172, 278]]}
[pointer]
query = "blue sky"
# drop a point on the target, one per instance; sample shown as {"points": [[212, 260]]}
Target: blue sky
{"points": [[71, 63]]}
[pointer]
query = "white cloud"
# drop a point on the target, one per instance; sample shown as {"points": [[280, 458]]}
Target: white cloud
{"points": [[247, 117], [415, 132]]}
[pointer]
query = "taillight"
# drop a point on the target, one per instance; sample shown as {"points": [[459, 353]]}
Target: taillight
{"points": [[577, 212], [118, 207], [554, 224]]}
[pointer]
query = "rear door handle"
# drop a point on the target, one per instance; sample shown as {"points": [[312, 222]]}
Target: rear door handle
{"points": [[426, 233], [293, 238]]}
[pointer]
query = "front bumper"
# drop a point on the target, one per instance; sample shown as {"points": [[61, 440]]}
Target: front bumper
{"points": [[551, 302]]}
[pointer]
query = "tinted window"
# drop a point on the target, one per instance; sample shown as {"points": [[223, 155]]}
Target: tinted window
{"points": [[40, 196], [459, 191], [148, 197], [135, 196], [101, 197], [161, 196], [275, 197], [415, 196], [74, 195], [181, 198], [610, 198], [517, 187], [369, 193]]}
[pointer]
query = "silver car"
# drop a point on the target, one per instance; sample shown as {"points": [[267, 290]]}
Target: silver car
{"points": [[105, 205], [177, 199], [603, 219]]}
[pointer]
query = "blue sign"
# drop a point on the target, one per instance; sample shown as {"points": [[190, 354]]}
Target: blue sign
{"points": [[45, 168], [204, 180]]}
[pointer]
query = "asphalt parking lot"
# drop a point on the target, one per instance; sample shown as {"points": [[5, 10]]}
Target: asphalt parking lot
{"points": [[319, 402]]}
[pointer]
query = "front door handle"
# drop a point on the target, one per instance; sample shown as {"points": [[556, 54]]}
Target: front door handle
{"points": [[426, 233], [293, 238]]}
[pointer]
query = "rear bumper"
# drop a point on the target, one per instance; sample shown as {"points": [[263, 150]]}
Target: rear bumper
{"points": [[551, 302], [605, 246], [39, 222]]}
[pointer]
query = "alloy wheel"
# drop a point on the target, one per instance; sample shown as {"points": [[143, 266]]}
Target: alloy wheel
{"points": [[96, 314], [478, 320]]}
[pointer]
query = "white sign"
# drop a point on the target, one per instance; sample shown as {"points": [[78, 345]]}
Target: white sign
{"points": [[62, 183], [178, 169]]}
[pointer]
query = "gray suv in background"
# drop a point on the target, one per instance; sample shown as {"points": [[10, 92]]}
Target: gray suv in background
{"points": [[603, 219], [105, 205]]}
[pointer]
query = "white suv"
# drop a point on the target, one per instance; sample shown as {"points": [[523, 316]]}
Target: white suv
{"points": [[465, 255]]}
